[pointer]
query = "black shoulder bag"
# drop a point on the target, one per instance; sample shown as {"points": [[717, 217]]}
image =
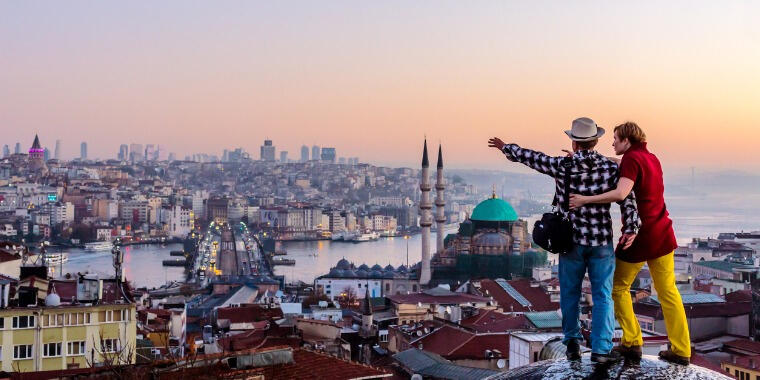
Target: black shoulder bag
{"points": [[554, 232]]}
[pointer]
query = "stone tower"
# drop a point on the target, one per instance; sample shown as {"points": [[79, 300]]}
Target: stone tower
{"points": [[426, 219], [37, 157], [440, 217]]}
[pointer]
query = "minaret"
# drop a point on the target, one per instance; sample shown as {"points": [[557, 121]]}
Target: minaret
{"points": [[426, 219], [367, 314], [440, 217]]}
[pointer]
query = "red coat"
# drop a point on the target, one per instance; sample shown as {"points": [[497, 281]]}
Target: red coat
{"points": [[655, 237]]}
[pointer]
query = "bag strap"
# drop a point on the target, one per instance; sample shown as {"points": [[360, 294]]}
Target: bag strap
{"points": [[567, 163]]}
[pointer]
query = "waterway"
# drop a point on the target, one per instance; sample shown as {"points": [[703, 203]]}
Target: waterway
{"points": [[142, 264]]}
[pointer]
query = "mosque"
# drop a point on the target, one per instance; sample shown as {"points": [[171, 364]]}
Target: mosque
{"points": [[492, 243]]}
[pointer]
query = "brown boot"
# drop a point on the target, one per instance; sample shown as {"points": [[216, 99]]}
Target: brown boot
{"points": [[670, 356], [629, 352]]}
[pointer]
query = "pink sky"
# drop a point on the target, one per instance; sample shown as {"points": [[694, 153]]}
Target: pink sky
{"points": [[372, 78]]}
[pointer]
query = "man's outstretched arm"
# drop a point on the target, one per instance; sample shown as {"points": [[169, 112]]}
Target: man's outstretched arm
{"points": [[535, 160]]}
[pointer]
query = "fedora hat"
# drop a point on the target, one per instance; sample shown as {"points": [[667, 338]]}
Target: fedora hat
{"points": [[584, 129]]}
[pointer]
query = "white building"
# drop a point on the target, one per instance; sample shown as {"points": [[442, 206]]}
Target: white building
{"points": [[62, 213], [180, 221]]}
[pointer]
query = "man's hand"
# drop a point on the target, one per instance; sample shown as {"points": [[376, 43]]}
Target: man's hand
{"points": [[626, 240], [496, 142], [577, 201], [568, 153]]}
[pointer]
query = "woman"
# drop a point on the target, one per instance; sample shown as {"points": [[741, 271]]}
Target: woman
{"points": [[641, 172]]}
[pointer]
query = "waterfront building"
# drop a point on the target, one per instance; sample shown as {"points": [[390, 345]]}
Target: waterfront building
{"points": [[328, 155], [83, 151], [304, 153], [267, 151], [346, 278]]}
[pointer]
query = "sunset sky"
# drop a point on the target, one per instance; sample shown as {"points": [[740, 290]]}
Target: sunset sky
{"points": [[373, 77]]}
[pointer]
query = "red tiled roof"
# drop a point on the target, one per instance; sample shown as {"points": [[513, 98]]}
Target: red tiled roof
{"points": [[739, 296], [727, 309], [313, 365], [476, 346], [250, 313], [744, 345], [493, 321], [7, 256], [456, 298], [539, 299], [443, 340], [701, 361]]}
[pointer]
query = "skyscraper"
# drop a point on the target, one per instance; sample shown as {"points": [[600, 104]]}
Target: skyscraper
{"points": [[284, 156], [304, 153], [150, 151], [46, 154], [267, 151], [315, 152], [123, 152], [83, 150], [135, 152], [57, 154], [426, 220], [6, 150], [328, 154], [18, 148]]}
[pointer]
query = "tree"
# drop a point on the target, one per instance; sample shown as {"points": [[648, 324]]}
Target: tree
{"points": [[348, 298]]}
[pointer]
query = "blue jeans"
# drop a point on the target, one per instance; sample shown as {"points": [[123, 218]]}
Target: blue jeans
{"points": [[600, 262]]}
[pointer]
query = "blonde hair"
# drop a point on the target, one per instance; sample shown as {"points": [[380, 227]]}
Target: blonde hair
{"points": [[631, 131]]}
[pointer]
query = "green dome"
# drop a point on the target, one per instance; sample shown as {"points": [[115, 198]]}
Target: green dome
{"points": [[494, 210]]}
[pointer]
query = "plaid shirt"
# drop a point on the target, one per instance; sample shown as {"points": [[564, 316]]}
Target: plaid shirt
{"points": [[590, 174]]}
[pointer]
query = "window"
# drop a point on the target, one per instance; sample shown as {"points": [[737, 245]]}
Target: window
{"points": [[109, 316], [387, 287], [22, 351], [51, 349], [2, 323], [109, 345], [124, 314], [23, 322], [75, 348], [76, 319], [414, 287]]}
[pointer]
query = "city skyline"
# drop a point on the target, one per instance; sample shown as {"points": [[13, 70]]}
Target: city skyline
{"points": [[209, 78]]}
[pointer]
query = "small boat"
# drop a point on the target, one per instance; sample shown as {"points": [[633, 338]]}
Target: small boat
{"points": [[367, 236], [98, 246], [55, 258]]}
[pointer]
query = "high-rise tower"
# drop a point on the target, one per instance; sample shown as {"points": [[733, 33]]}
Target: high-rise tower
{"points": [[426, 219], [440, 216], [57, 153]]}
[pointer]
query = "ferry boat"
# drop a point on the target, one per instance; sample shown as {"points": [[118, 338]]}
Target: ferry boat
{"points": [[367, 236], [98, 246], [55, 258]]}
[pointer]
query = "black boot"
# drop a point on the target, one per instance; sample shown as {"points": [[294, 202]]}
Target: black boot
{"points": [[612, 357], [573, 350]]}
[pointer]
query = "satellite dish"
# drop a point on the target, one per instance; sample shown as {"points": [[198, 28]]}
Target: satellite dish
{"points": [[501, 363], [419, 333]]}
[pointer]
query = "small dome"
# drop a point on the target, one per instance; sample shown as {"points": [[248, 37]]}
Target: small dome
{"points": [[494, 210], [349, 273], [52, 299], [402, 268], [343, 264], [491, 242], [362, 272], [377, 267], [364, 267], [388, 275], [389, 268], [335, 272], [376, 274]]}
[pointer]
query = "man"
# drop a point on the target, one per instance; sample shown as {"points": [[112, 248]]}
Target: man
{"points": [[641, 174], [590, 173]]}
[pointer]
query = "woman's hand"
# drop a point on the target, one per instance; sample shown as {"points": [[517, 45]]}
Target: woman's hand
{"points": [[577, 201], [626, 240]]}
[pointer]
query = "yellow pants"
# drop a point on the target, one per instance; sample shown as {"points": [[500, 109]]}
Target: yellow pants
{"points": [[664, 278]]}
